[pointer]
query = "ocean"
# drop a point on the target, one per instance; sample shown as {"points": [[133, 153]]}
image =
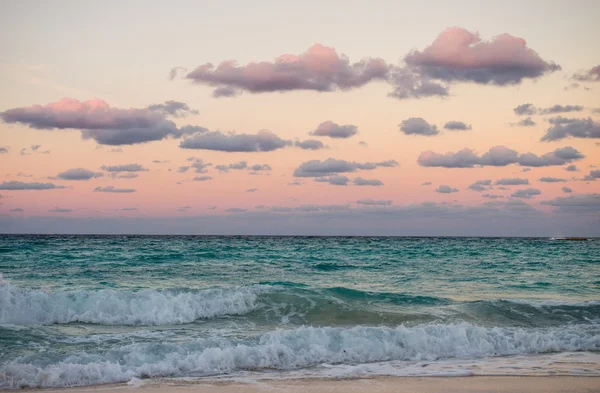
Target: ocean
{"points": [[85, 310]]}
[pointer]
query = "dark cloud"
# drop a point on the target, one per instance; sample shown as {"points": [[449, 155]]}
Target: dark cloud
{"points": [[525, 109], [456, 126], [202, 178], [59, 210], [559, 156], [591, 75], [333, 130], [332, 166], [3, 150], [418, 126], [124, 168], [19, 185], [444, 189], [481, 185], [567, 190], [552, 180], [310, 144], [583, 203], [458, 55], [114, 189], [516, 181], [571, 168], [466, 158], [98, 121], [527, 122], [594, 174], [78, 174], [374, 202], [561, 109], [359, 181], [577, 128], [262, 141], [334, 180], [252, 190], [173, 108], [363, 144], [526, 193], [318, 69]]}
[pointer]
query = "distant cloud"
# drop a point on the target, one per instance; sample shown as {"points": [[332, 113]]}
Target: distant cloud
{"points": [[114, 189], [295, 183], [126, 175], [561, 109], [3, 150], [78, 174], [236, 210], [567, 190], [481, 185], [527, 122], [525, 109], [559, 156], [418, 126], [427, 183], [583, 203], [332, 166], [21, 186], [444, 189], [373, 202], [571, 168], [226, 91], [35, 147], [591, 75], [363, 144], [334, 180], [98, 121], [124, 168], [17, 210], [576, 128], [310, 144], [199, 165], [526, 193], [333, 130], [59, 210], [359, 181], [492, 196], [511, 181], [262, 141], [183, 208], [202, 178], [183, 169], [128, 209], [466, 158], [552, 180], [594, 174], [243, 165], [252, 190], [173, 108], [457, 126], [409, 82], [115, 150]]}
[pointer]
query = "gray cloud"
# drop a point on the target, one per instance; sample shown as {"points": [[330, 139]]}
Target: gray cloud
{"points": [[552, 180], [183, 208], [3, 150], [59, 210], [126, 175], [594, 174], [78, 174], [334, 180], [454, 125], [418, 126], [199, 165], [516, 181], [17, 210], [561, 109], [577, 128], [444, 189], [559, 156], [262, 141], [159, 162], [333, 130], [409, 82], [115, 150], [225, 91], [583, 203], [527, 122], [35, 147], [252, 190], [427, 183], [183, 169], [236, 210], [591, 75], [481, 185], [114, 189], [173, 108], [19, 185], [98, 121], [363, 144], [526, 193], [242, 165], [310, 144], [202, 178], [128, 209], [359, 181], [526, 170], [492, 196], [318, 69], [571, 168], [295, 183], [374, 202], [332, 166], [567, 190], [466, 158], [525, 109], [124, 168]]}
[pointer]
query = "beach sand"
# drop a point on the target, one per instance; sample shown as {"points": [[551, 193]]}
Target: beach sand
{"points": [[380, 384]]}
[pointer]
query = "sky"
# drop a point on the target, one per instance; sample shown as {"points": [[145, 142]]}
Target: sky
{"points": [[303, 118]]}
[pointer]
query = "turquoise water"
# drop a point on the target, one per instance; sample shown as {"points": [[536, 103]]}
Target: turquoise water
{"points": [[81, 310]]}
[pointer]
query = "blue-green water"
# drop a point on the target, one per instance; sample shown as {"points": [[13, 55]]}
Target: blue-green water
{"points": [[80, 310]]}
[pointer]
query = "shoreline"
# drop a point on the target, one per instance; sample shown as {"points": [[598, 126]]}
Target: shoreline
{"points": [[384, 384]]}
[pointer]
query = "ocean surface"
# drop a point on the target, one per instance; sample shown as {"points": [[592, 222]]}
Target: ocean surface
{"points": [[84, 310]]}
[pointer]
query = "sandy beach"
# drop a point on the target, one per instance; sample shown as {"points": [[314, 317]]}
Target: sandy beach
{"points": [[383, 385]]}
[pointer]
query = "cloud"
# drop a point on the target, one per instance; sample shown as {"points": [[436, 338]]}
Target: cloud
{"points": [[363, 144], [78, 174], [98, 121], [427, 183], [591, 75], [571, 168], [454, 125], [409, 82], [236, 210], [480, 185], [3, 150], [418, 126], [525, 109], [115, 150], [515, 181], [183, 208], [21, 186], [17, 210], [241, 165], [492, 196], [458, 55], [526, 193], [173, 108], [583, 203], [124, 168], [35, 147], [127, 175], [334, 180], [373, 202], [320, 68], [261, 141], [552, 180], [559, 156], [114, 189], [594, 174], [567, 190], [443, 189], [359, 181], [252, 190], [59, 210], [225, 91], [561, 109], [466, 158], [183, 169], [332, 166], [199, 165], [202, 178], [295, 183], [310, 144], [159, 161], [527, 122], [577, 128], [128, 209], [333, 130]]}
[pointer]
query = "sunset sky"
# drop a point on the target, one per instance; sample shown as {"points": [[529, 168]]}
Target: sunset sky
{"points": [[271, 117]]}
